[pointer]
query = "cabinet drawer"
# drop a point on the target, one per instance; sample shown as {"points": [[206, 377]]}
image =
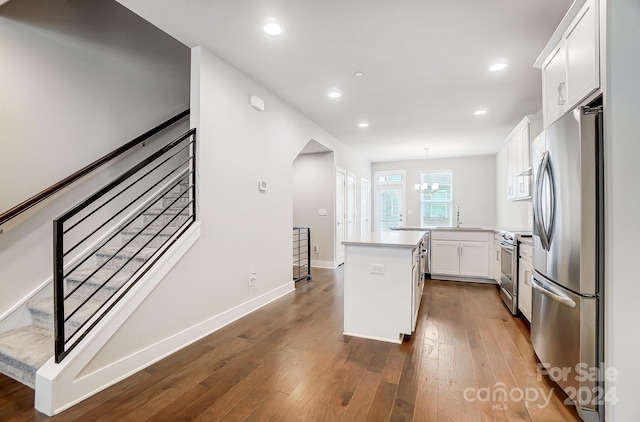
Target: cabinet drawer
{"points": [[460, 235]]}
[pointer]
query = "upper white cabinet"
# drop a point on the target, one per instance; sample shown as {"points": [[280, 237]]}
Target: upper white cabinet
{"points": [[571, 61], [519, 158]]}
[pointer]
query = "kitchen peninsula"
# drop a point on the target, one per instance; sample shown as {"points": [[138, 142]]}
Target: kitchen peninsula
{"points": [[383, 284]]}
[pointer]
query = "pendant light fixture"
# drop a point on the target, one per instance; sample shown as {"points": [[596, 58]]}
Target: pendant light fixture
{"points": [[424, 187]]}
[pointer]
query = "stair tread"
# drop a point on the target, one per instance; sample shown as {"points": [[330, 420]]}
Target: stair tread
{"points": [[46, 306], [152, 229], [120, 278], [23, 351], [172, 210], [128, 252]]}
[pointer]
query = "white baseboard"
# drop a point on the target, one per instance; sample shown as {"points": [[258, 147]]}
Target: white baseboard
{"points": [[57, 386], [324, 264], [60, 386]]}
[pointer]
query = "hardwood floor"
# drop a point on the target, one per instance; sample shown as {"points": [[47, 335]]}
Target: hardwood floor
{"points": [[290, 362]]}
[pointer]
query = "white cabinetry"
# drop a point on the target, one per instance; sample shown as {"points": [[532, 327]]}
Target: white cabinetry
{"points": [[519, 158], [495, 259], [459, 253], [570, 63], [382, 285], [525, 269], [445, 257]]}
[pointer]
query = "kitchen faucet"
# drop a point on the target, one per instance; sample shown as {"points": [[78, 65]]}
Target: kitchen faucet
{"points": [[458, 219]]}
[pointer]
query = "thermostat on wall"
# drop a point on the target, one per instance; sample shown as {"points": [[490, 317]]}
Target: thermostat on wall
{"points": [[262, 185]]}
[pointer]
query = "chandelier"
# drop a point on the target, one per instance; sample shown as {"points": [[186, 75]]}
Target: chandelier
{"points": [[424, 186]]}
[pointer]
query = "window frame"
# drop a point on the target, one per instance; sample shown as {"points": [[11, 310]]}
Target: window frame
{"points": [[432, 201]]}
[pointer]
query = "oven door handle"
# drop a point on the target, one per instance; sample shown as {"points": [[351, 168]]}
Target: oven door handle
{"points": [[507, 246], [562, 299]]}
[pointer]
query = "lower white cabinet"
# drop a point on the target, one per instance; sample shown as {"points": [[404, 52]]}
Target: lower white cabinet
{"points": [[525, 269], [445, 257], [459, 253], [495, 259]]}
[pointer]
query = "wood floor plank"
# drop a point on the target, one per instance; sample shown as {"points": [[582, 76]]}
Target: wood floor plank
{"points": [[382, 405], [289, 361], [362, 397]]}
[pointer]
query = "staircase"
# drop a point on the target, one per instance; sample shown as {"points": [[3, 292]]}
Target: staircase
{"points": [[108, 269]]}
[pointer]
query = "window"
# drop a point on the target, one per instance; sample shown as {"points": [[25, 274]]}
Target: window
{"points": [[436, 208]]}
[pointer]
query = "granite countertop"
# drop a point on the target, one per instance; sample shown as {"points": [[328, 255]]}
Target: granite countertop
{"points": [[394, 239]]}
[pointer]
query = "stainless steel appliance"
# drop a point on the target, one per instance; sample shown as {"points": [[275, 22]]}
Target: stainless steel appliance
{"points": [[509, 268], [567, 306]]}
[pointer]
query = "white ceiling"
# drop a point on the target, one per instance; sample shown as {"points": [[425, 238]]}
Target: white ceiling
{"points": [[425, 64]]}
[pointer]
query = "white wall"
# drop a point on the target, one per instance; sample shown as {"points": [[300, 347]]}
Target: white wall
{"points": [[509, 214], [474, 186], [313, 189], [77, 79], [622, 152], [242, 230]]}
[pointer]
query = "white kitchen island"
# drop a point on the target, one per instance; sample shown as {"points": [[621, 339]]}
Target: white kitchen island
{"points": [[382, 285]]}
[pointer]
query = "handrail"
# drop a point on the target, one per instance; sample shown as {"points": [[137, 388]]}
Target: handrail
{"points": [[39, 197], [156, 207]]}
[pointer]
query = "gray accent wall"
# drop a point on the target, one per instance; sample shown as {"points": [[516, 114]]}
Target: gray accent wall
{"points": [[78, 79]]}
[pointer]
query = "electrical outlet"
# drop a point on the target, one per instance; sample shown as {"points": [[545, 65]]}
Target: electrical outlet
{"points": [[315, 248], [252, 279]]}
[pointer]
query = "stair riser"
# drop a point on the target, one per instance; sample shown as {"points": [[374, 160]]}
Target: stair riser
{"points": [[143, 238], [45, 320], [165, 218], [117, 262], [180, 202], [87, 290]]}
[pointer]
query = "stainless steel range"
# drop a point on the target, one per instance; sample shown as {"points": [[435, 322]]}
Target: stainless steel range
{"points": [[509, 268]]}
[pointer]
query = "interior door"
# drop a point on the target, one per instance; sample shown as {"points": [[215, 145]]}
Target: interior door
{"points": [[341, 180], [365, 206], [351, 205]]}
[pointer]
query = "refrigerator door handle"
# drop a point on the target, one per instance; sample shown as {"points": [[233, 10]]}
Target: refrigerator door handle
{"points": [[552, 199], [558, 298], [537, 203], [545, 232]]}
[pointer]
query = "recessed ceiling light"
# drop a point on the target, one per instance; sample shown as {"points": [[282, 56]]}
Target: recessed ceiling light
{"points": [[497, 66], [480, 112], [335, 94], [358, 74], [363, 124], [272, 28]]}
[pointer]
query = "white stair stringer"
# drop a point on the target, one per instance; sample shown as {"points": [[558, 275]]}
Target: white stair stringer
{"points": [[59, 386], [27, 335]]}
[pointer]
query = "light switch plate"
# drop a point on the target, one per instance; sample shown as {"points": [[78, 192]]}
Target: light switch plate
{"points": [[377, 269]]}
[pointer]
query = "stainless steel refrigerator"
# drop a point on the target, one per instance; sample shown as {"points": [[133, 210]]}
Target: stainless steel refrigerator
{"points": [[567, 298]]}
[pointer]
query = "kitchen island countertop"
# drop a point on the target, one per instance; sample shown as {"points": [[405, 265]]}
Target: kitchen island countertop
{"points": [[393, 239]]}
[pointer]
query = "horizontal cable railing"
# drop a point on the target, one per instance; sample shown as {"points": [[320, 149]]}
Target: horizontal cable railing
{"points": [[41, 196], [103, 245], [301, 253]]}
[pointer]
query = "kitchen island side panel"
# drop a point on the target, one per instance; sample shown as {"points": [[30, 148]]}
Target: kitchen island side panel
{"points": [[378, 306]]}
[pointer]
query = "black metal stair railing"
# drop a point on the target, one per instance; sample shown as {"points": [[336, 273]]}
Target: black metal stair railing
{"points": [[106, 243], [301, 253]]}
